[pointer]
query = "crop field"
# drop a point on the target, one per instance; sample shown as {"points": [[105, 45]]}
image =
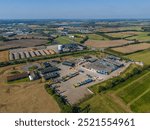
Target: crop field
{"points": [[25, 96], [142, 37], [130, 96], [63, 40], [105, 44], [22, 43], [123, 34], [143, 104], [134, 89], [132, 48], [143, 56], [96, 37], [136, 28], [4, 56], [67, 40]]}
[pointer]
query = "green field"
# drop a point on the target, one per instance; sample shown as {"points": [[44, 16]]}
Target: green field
{"points": [[63, 40], [67, 40], [142, 37], [129, 96], [96, 37], [118, 35], [135, 88], [102, 103], [143, 104], [143, 56]]}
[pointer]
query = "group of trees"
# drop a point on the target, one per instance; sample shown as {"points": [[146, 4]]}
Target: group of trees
{"points": [[3, 39], [111, 83], [84, 39]]}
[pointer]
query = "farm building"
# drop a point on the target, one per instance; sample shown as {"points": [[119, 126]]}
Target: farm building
{"points": [[22, 55], [16, 56], [17, 77], [11, 56], [68, 63], [42, 52], [32, 54], [37, 53], [27, 54], [47, 52]]}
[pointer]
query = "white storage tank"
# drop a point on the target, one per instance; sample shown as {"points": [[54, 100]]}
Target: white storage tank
{"points": [[59, 47]]}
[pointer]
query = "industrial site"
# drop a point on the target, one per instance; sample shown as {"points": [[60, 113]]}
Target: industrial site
{"points": [[69, 67]]}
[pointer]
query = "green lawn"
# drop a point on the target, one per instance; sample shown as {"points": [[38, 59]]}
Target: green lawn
{"points": [[135, 88], [143, 104], [143, 56]]}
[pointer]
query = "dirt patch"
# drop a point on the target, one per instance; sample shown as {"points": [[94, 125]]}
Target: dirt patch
{"points": [[3, 56]]}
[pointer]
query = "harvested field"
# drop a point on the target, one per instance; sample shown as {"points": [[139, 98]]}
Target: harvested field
{"points": [[123, 34], [141, 37], [24, 96], [22, 43], [132, 48], [4, 56], [143, 56], [105, 44], [136, 28]]}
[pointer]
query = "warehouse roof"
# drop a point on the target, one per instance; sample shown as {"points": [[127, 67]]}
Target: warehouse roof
{"points": [[49, 69]]}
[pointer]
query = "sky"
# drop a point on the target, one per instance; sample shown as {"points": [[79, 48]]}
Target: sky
{"points": [[74, 9]]}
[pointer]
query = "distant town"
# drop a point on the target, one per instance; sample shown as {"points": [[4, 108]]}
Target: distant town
{"points": [[74, 65]]}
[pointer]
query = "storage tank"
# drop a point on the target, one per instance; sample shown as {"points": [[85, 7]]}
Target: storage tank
{"points": [[60, 47]]}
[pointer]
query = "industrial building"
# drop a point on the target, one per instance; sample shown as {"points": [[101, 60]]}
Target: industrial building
{"points": [[34, 76], [104, 66], [48, 70], [17, 76], [70, 48], [68, 63], [51, 75]]}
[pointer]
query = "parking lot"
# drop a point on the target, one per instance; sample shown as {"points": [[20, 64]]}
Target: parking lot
{"points": [[76, 94]]}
